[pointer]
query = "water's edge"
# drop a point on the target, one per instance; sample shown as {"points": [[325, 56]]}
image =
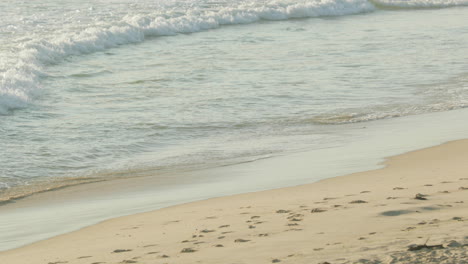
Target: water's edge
{"points": [[65, 210]]}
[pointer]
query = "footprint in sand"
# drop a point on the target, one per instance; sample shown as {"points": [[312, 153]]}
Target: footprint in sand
{"points": [[219, 245], [240, 240], [83, 257], [207, 231], [295, 216], [318, 210], [281, 211], [121, 250], [129, 228], [152, 245], [128, 261], [152, 253], [357, 202], [295, 219], [399, 188], [187, 250], [294, 229], [396, 212], [224, 226], [420, 196], [445, 205], [275, 261]]}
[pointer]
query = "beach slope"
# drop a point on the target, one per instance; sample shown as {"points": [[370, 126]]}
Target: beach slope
{"points": [[415, 210]]}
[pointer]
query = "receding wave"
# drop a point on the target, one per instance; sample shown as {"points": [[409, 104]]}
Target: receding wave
{"points": [[12, 194], [385, 112]]}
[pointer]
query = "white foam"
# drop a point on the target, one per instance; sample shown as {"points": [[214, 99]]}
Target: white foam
{"points": [[19, 83]]}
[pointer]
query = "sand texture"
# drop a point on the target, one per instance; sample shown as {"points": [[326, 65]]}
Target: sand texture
{"points": [[413, 211]]}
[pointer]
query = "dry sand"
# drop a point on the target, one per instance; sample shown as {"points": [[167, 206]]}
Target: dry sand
{"points": [[370, 217]]}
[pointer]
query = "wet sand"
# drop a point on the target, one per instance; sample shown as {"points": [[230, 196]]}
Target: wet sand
{"points": [[415, 210]]}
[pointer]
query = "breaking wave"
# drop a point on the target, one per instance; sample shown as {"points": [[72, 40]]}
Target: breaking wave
{"points": [[19, 81]]}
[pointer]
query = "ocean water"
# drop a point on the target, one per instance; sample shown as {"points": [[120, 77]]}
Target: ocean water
{"points": [[96, 90]]}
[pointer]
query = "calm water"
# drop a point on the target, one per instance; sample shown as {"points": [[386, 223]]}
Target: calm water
{"points": [[118, 88]]}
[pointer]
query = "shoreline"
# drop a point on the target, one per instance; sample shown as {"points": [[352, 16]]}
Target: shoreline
{"points": [[346, 219], [54, 213]]}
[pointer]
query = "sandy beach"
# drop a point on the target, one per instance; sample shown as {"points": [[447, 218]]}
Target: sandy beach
{"points": [[415, 210]]}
